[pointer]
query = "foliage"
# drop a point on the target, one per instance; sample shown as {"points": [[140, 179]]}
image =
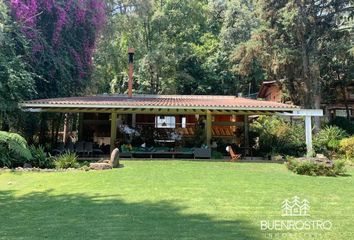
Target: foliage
{"points": [[347, 147], [182, 47], [327, 140], [307, 167], [13, 150], [16, 78], [40, 158], [216, 155], [53, 29], [303, 43], [199, 134], [278, 137], [67, 160], [343, 123]]}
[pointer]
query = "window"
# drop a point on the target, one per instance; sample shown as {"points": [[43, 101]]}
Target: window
{"points": [[341, 113], [165, 122]]}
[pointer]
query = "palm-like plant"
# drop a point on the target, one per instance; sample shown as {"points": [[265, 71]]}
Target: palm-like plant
{"points": [[13, 147]]}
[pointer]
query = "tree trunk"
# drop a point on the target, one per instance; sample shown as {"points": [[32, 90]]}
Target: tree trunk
{"points": [[317, 94], [346, 102]]}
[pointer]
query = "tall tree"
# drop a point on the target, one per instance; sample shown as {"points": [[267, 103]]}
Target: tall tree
{"points": [[16, 78], [289, 41]]}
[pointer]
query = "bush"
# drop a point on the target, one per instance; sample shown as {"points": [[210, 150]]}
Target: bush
{"points": [[216, 155], [311, 168], [13, 150], [327, 140], [40, 158], [347, 147], [278, 137], [344, 124], [67, 160]]}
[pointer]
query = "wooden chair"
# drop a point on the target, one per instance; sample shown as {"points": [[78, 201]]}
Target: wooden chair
{"points": [[234, 156]]}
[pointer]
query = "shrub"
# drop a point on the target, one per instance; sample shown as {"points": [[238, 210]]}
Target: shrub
{"points": [[67, 160], [311, 168], [40, 158], [347, 147], [327, 140], [278, 137], [13, 150], [344, 124], [216, 155]]}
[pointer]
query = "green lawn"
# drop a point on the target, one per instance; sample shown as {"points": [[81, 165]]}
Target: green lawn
{"points": [[169, 200]]}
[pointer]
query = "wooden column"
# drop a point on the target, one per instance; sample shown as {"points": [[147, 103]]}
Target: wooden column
{"points": [[247, 139], [113, 130], [133, 120], [65, 130], [208, 128], [81, 127]]}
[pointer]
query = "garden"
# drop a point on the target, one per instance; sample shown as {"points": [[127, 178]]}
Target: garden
{"points": [[168, 200], [300, 53]]}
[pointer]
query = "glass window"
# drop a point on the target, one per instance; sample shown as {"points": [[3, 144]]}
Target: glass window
{"points": [[165, 122]]}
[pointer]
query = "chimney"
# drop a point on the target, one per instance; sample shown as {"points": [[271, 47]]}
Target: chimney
{"points": [[131, 71]]}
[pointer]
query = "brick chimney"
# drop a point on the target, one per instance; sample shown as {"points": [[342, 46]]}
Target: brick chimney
{"points": [[131, 52]]}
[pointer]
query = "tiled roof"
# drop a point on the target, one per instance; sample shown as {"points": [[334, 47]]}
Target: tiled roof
{"points": [[159, 101]]}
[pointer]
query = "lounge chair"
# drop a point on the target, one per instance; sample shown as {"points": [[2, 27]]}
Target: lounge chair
{"points": [[79, 148], [234, 156]]}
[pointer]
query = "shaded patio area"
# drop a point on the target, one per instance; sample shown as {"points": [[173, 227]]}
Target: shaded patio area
{"points": [[175, 126]]}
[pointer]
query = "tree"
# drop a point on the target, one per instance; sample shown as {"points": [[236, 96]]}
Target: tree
{"points": [[62, 36], [16, 78], [289, 42]]}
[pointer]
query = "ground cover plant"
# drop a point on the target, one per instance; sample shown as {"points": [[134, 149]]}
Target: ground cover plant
{"points": [[313, 168], [168, 200]]}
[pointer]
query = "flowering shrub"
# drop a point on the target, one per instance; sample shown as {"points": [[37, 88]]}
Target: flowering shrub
{"points": [[62, 35], [347, 147]]}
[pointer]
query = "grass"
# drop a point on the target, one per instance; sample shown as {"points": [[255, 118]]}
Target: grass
{"points": [[169, 200]]}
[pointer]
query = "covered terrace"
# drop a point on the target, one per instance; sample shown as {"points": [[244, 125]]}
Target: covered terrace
{"points": [[221, 116]]}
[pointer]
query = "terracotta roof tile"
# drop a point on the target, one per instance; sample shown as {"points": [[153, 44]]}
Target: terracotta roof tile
{"points": [[156, 101]]}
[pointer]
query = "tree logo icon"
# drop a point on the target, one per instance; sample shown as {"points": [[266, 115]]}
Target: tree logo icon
{"points": [[295, 207]]}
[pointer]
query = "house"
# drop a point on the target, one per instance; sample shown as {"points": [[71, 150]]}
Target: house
{"points": [[337, 104], [271, 91], [341, 104], [103, 117], [167, 119]]}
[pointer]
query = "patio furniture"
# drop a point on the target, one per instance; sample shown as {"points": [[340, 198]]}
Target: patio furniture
{"points": [[88, 148], [125, 155], [234, 156], [79, 148], [97, 151], [202, 153], [70, 147]]}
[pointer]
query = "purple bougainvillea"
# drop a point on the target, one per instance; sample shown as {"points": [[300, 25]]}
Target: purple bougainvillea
{"points": [[62, 27]]}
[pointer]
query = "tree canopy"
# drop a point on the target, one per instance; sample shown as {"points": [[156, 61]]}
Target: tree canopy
{"points": [[74, 47]]}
